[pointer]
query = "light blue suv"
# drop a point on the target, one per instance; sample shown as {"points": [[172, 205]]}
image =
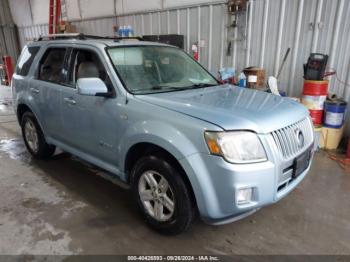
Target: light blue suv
{"points": [[157, 120]]}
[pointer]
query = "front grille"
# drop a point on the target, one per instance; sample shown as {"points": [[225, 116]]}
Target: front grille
{"points": [[287, 141]]}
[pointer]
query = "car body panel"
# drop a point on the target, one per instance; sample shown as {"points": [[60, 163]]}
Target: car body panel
{"points": [[233, 108], [175, 132]]}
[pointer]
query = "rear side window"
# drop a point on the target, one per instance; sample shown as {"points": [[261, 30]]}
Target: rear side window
{"points": [[26, 60], [51, 65]]}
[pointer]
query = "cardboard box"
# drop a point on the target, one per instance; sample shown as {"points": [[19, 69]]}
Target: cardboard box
{"points": [[67, 27], [255, 77], [330, 137]]}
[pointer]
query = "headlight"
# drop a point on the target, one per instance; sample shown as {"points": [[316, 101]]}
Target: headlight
{"points": [[236, 146]]}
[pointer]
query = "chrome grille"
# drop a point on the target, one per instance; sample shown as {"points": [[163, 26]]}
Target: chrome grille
{"points": [[287, 141]]}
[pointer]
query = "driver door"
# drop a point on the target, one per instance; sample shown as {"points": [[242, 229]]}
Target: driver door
{"points": [[91, 124]]}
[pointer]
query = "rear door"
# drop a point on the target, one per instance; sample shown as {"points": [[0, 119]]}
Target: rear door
{"points": [[22, 74], [46, 86]]}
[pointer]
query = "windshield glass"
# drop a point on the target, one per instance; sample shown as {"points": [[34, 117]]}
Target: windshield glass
{"points": [[152, 69]]}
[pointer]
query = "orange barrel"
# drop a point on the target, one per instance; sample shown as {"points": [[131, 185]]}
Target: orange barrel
{"points": [[314, 96]]}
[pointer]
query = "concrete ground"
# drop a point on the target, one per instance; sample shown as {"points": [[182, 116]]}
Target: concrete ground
{"points": [[61, 206]]}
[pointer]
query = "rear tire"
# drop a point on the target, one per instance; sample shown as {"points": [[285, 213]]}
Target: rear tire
{"points": [[162, 195], [34, 138]]}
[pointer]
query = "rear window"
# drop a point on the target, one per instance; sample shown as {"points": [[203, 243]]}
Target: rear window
{"points": [[51, 65], [26, 60]]}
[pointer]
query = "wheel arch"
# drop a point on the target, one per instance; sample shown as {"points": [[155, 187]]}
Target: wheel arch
{"points": [[21, 109], [145, 148]]}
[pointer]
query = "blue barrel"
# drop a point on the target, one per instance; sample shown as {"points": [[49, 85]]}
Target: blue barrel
{"points": [[334, 113]]}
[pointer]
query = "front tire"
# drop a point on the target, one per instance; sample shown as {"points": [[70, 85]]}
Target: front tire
{"points": [[34, 138], [162, 195]]}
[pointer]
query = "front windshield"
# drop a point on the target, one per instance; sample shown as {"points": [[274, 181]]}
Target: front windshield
{"points": [[152, 69]]}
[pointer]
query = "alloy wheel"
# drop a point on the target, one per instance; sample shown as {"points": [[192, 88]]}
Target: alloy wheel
{"points": [[156, 195], [31, 136]]}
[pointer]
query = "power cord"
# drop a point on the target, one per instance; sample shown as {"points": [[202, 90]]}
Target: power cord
{"points": [[337, 77], [342, 161], [340, 81]]}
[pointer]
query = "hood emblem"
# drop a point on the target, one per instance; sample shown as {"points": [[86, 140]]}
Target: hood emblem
{"points": [[300, 137]]}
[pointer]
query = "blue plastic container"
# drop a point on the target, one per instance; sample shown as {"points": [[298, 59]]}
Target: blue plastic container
{"points": [[120, 31], [334, 113]]}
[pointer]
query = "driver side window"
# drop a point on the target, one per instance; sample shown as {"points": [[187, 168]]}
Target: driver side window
{"points": [[87, 64]]}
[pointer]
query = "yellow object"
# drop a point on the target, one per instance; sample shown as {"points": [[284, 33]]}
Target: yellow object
{"points": [[316, 82], [330, 137], [213, 146]]}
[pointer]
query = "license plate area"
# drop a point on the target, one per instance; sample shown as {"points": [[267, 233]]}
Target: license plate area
{"points": [[301, 163]]}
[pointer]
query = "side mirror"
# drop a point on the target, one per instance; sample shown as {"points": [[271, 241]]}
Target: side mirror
{"points": [[92, 87]]}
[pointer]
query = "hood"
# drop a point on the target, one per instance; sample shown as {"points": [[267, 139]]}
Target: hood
{"points": [[232, 108]]}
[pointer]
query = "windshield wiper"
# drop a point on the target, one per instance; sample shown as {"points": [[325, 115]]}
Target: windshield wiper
{"points": [[174, 88], [154, 88], [160, 87], [199, 85]]}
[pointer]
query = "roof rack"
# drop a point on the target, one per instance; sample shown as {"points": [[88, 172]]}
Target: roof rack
{"points": [[81, 36], [140, 38], [60, 36]]}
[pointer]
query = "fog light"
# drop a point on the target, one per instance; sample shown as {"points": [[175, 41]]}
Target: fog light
{"points": [[244, 195]]}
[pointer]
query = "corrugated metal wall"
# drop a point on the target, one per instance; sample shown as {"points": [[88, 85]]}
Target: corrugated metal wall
{"points": [[8, 32], [261, 38]]}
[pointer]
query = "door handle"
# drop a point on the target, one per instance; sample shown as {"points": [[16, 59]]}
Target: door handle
{"points": [[70, 101], [34, 90]]}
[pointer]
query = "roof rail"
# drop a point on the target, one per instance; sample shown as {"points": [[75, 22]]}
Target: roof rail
{"points": [[60, 36], [81, 36], [140, 38]]}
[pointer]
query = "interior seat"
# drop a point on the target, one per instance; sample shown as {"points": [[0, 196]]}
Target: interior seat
{"points": [[88, 70]]}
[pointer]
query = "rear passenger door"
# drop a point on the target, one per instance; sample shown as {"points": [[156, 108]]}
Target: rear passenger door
{"points": [[46, 86], [91, 124], [22, 75]]}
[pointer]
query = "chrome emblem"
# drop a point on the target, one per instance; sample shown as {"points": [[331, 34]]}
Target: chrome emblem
{"points": [[300, 137]]}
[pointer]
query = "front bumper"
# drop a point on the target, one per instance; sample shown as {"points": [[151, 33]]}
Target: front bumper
{"points": [[215, 183]]}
